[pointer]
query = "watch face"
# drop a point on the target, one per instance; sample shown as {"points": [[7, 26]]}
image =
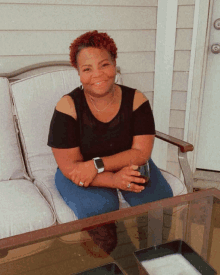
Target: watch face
{"points": [[99, 163]]}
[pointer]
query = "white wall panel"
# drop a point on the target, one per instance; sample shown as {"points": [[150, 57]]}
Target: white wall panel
{"points": [[143, 3], [177, 119], [141, 81], [181, 61], [186, 2], [136, 62], [180, 81], [177, 132], [185, 16], [172, 154], [64, 17], [178, 100], [183, 39], [58, 42]]}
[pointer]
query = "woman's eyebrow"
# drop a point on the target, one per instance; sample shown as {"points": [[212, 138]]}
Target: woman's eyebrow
{"points": [[103, 60], [86, 65]]}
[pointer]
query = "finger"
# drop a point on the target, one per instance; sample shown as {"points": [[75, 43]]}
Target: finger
{"points": [[136, 179], [86, 183], [134, 167], [135, 188], [134, 173], [77, 180]]}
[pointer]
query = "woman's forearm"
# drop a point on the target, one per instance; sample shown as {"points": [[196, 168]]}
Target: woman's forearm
{"points": [[126, 158], [140, 152], [104, 179]]}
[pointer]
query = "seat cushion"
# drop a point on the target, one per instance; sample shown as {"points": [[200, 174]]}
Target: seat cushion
{"points": [[175, 183], [11, 165], [23, 208], [63, 212]]}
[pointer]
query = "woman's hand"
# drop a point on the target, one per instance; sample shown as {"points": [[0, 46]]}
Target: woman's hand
{"points": [[84, 172], [125, 178]]}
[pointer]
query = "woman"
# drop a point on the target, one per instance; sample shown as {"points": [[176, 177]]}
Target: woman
{"points": [[98, 130]]}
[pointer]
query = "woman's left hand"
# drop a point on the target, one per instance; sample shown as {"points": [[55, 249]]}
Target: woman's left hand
{"points": [[84, 172]]}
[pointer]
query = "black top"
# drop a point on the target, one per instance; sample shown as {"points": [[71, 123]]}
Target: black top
{"points": [[96, 138]]}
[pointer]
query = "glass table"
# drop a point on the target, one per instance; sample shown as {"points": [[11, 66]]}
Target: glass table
{"points": [[111, 239]]}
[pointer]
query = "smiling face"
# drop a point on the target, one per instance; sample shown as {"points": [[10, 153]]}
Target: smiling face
{"points": [[97, 71]]}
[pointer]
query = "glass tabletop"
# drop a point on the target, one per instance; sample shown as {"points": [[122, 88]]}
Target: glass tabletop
{"points": [[110, 243]]}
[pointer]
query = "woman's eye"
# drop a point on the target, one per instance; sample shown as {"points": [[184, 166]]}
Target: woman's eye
{"points": [[86, 70], [105, 64]]}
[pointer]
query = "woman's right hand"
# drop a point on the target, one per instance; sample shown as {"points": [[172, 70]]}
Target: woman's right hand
{"points": [[124, 179]]}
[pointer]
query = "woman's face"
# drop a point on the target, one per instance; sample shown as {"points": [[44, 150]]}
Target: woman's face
{"points": [[97, 70]]}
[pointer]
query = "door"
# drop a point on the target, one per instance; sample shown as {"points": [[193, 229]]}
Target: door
{"points": [[208, 156]]}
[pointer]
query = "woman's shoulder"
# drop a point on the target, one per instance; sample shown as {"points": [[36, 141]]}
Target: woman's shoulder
{"points": [[66, 105], [139, 99]]}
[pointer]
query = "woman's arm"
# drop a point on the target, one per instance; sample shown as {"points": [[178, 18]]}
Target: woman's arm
{"points": [[71, 160], [141, 150]]}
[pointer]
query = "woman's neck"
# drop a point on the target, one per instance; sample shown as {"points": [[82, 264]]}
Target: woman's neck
{"points": [[101, 104]]}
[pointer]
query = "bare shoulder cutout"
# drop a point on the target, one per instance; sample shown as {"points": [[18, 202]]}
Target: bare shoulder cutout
{"points": [[139, 99], [66, 105]]}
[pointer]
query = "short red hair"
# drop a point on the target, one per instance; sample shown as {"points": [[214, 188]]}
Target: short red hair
{"points": [[92, 39]]}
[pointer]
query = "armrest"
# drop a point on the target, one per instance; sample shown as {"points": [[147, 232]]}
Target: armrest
{"points": [[184, 146]]}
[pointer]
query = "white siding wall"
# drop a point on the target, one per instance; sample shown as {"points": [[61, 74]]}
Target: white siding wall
{"points": [[34, 31]]}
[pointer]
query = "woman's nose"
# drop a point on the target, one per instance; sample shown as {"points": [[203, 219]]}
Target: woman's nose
{"points": [[97, 72]]}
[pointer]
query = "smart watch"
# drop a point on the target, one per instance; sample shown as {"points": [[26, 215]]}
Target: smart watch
{"points": [[99, 165]]}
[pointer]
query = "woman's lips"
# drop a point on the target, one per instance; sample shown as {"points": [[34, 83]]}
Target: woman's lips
{"points": [[99, 84]]}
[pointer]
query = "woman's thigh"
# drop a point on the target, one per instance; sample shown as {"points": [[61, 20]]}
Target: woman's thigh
{"points": [[156, 189], [86, 202]]}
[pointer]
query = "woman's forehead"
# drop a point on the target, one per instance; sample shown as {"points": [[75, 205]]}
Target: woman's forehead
{"points": [[91, 54]]}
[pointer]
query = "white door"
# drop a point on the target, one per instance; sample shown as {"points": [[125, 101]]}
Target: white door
{"points": [[208, 156]]}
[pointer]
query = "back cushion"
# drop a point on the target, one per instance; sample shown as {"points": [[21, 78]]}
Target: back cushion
{"points": [[11, 165], [34, 101]]}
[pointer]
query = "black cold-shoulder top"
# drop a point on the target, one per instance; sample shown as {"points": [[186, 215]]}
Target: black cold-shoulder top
{"points": [[96, 138]]}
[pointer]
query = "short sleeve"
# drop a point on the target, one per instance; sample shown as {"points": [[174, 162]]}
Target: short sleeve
{"points": [[143, 120], [63, 132]]}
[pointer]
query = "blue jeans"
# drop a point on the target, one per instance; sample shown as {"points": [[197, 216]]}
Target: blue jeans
{"points": [[91, 201]]}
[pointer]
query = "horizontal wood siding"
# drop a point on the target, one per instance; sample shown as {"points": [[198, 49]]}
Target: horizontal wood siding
{"points": [[33, 31], [184, 33], [36, 31], [144, 3]]}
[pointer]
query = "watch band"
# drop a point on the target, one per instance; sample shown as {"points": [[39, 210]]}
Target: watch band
{"points": [[99, 165]]}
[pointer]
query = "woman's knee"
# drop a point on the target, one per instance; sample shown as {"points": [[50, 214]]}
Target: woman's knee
{"points": [[86, 202]]}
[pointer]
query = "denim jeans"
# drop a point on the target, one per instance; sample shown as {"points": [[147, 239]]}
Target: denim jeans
{"points": [[91, 201]]}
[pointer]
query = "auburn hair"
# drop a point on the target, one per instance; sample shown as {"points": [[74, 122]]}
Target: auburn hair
{"points": [[93, 39]]}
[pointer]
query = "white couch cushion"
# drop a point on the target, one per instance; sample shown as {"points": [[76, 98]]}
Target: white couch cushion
{"points": [[176, 184], [11, 165], [64, 214], [34, 100], [62, 211], [23, 208]]}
